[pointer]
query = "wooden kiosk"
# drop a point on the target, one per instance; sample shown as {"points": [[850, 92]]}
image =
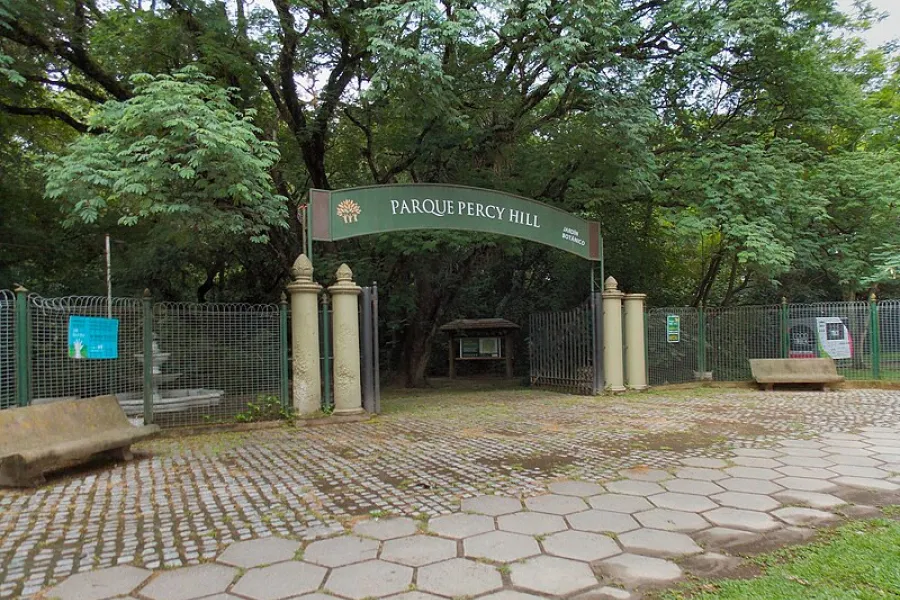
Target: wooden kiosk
{"points": [[480, 340]]}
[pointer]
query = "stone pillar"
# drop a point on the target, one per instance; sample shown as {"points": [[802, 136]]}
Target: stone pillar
{"points": [[345, 306], [612, 336], [307, 379], [635, 356]]}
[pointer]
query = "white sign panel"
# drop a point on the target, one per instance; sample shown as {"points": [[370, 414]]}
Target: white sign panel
{"points": [[834, 337]]}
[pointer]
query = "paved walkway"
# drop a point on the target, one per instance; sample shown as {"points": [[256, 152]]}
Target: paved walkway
{"points": [[640, 490]]}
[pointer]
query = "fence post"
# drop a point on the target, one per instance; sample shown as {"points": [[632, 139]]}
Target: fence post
{"points": [[613, 366], [23, 356], [326, 351], [377, 357], [785, 329], [285, 379], [875, 337], [345, 317], [148, 358], [701, 341]]}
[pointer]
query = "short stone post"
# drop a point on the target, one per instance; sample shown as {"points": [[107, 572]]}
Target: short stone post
{"points": [[635, 355], [307, 379], [347, 376], [612, 335]]}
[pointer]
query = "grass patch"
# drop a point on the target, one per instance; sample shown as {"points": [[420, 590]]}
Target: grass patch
{"points": [[859, 561]]}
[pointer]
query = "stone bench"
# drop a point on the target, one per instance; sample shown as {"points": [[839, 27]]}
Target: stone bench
{"points": [[770, 371], [37, 439]]}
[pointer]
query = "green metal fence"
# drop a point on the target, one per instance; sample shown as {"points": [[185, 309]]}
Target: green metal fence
{"points": [[208, 362], [716, 343], [7, 349]]}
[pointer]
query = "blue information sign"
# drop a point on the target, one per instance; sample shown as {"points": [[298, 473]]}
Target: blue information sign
{"points": [[93, 337]]}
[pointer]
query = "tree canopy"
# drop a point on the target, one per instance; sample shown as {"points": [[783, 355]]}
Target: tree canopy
{"points": [[734, 151]]}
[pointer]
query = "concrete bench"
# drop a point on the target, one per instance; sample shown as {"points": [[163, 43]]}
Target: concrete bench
{"points": [[46, 437], [769, 371]]}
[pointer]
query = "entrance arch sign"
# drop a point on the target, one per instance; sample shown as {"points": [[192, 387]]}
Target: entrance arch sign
{"points": [[342, 214]]}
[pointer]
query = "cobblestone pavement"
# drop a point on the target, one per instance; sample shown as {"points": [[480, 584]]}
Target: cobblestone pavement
{"points": [[634, 482]]}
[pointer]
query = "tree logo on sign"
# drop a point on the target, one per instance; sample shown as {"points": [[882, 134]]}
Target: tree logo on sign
{"points": [[349, 211]]}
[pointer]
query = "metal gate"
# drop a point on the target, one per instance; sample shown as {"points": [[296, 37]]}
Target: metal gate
{"points": [[565, 348]]}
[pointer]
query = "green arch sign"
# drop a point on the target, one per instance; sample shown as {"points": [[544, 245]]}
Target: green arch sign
{"points": [[342, 214]]}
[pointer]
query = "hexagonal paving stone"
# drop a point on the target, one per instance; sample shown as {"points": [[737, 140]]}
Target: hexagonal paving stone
{"points": [[854, 471], [798, 516], [805, 461], [848, 443], [556, 505], [685, 502], [599, 521], [552, 575], [491, 505], [859, 461], [255, 553], [369, 579], [848, 451], [531, 523], [692, 486], [758, 452], [812, 499], [800, 444], [700, 473], [633, 569], [576, 488], [634, 488], [752, 473], [340, 551], [283, 580], [708, 463], [742, 519], [809, 472], [750, 486], [509, 595], [806, 484], [645, 474], [725, 537], [190, 582], [501, 546], [620, 503], [459, 526], [810, 452], [104, 583], [658, 543], [581, 545], [671, 520], [867, 483], [752, 461], [386, 529], [418, 550], [407, 596], [459, 577], [748, 501]]}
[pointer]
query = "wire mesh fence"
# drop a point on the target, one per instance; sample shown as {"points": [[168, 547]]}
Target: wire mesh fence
{"points": [[863, 338], [7, 349], [55, 371], [216, 363]]}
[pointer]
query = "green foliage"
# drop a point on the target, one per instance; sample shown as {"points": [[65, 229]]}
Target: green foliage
{"points": [[858, 561], [266, 408], [178, 149]]}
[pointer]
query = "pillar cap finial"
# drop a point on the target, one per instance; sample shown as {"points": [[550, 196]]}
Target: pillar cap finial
{"points": [[344, 273], [610, 284], [302, 269]]}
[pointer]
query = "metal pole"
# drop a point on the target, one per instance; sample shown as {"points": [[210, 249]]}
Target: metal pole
{"points": [[365, 338], [785, 332], [309, 218], [23, 356], [375, 349], [283, 340], [148, 358], [326, 351], [701, 339], [108, 281], [875, 337]]}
